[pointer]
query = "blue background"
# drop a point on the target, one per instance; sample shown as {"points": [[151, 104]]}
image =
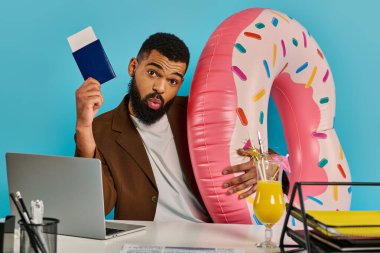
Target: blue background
{"points": [[38, 75]]}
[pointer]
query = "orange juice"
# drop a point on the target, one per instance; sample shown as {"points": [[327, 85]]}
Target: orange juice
{"points": [[269, 202]]}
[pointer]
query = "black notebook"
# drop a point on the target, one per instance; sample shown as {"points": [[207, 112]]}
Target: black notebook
{"points": [[321, 243]]}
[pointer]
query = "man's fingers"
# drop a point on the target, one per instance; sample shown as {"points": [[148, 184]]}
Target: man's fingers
{"points": [[91, 94], [91, 80], [96, 99], [89, 90], [240, 180], [83, 94], [89, 84], [89, 87], [239, 167], [244, 152], [243, 186], [249, 192]]}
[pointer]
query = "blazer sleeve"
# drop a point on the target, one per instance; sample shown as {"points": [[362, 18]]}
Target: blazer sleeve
{"points": [[109, 191]]}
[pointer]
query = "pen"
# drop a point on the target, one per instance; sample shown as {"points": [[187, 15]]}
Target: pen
{"points": [[24, 218], [27, 219], [25, 210], [37, 210]]}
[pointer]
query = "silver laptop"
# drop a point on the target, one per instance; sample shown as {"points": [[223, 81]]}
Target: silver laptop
{"points": [[71, 190]]}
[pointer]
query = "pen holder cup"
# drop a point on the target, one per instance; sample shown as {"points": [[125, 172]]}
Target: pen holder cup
{"points": [[43, 236], [7, 230]]}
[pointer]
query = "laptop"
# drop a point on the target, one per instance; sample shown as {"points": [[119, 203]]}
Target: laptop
{"points": [[71, 190]]}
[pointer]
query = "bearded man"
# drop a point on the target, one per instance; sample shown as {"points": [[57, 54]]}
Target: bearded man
{"points": [[142, 143]]}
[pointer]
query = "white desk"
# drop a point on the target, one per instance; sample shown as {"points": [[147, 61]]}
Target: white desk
{"points": [[175, 234]]}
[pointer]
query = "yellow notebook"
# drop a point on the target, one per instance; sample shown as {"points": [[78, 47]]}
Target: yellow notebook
{"points": [[331, 223]]}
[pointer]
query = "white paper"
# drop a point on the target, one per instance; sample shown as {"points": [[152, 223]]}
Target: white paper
{"points": [[81, 39], [132, 248]]}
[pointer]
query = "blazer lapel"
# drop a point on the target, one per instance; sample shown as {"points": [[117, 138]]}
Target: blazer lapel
{"points": [[130, 140]]}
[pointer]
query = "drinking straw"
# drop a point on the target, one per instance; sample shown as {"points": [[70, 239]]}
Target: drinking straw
{"points": [[264, 168], [260, 142], [262, 155], [258, 162], [275, 174]]}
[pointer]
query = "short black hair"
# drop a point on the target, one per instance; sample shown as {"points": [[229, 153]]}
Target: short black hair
{"points": [[168, 45]]}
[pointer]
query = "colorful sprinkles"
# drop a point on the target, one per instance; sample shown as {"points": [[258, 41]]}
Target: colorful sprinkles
{"points": [[302, 67], [253, 35], [266, 68], [261, 119], [295, 42], [349, 189], [304, 39], [282, 70], [319, 135], [320, 54], [283, 48], [293, 221], [310, 82], [280, 15], [326, 76], [274, 22], [237, 71], [274, 54], [240, 48], [315, 200], [241, 114], [258, 95], [341, 153], [335, 192], [260, 26], [340, 168], [322, 162], [324, 100]]}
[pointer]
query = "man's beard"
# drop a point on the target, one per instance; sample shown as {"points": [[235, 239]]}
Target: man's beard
{"points": [[140, 106]]}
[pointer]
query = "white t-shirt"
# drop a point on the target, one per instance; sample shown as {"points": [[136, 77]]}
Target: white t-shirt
{"points": [[175, 202]]}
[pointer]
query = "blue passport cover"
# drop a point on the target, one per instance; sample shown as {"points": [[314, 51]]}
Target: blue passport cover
{"points": [[93, 62]]}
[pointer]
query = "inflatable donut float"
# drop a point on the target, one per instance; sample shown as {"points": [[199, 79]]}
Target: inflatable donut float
{"points": [[252, 55]]}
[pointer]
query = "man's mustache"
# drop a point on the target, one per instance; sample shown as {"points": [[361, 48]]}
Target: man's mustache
{"points": [[155, 95]]}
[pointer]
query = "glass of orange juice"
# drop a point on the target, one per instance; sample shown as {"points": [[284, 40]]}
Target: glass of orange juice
{"points": [[269, 202]]}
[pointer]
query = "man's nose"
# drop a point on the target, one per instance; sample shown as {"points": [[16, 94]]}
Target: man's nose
{"points": [[159, 86]]}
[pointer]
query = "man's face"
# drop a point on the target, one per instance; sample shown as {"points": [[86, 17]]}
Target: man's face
{"points": [[155, 82]]}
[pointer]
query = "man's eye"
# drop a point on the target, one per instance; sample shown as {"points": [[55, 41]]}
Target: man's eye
{"points": [[152, 73], [173, 82]]}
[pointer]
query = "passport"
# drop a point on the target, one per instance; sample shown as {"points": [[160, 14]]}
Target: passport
{"points": [[90, 56]]}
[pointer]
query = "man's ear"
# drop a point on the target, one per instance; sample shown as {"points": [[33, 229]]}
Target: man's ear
{"points": [[132, 67]]}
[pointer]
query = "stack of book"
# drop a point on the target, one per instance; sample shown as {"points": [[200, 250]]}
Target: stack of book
{"points": [[339, 231]]}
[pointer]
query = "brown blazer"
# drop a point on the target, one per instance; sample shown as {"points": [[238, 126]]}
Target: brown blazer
{"points": [[128, 180]]}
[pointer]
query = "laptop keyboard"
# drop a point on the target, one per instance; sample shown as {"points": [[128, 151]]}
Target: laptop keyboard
{"points": [[112, 231]]}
